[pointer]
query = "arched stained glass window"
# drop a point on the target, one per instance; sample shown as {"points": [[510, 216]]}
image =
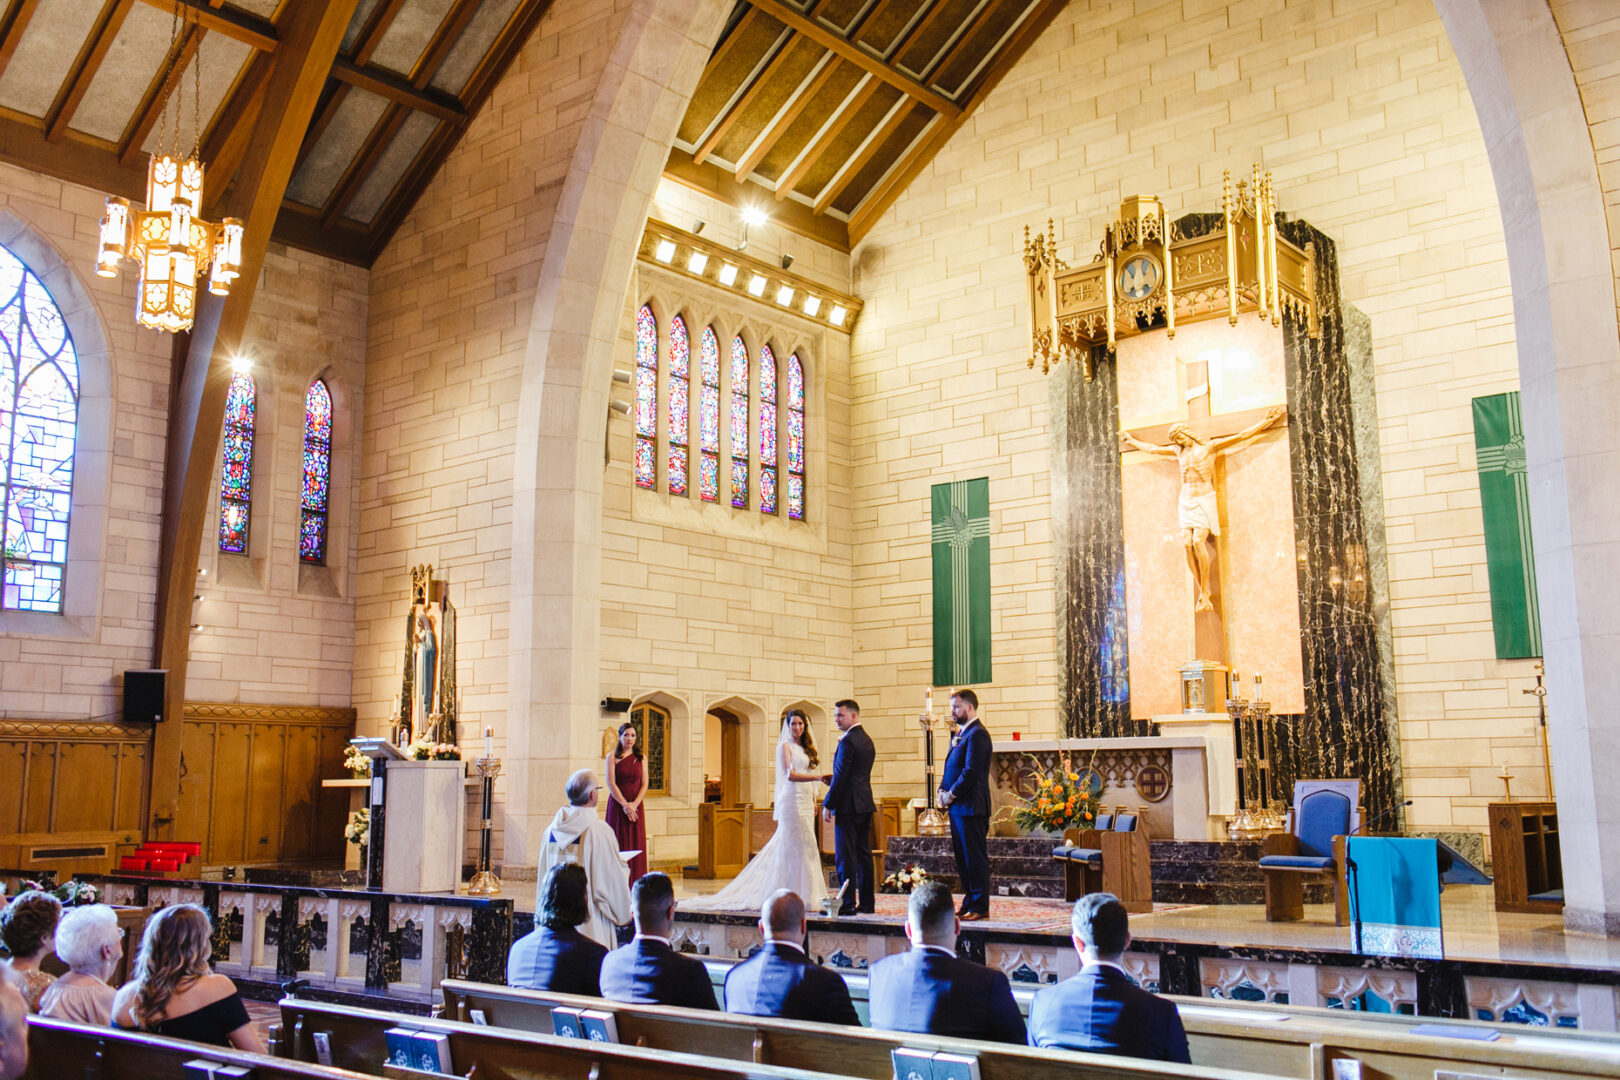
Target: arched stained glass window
{"points": [[709, 417], [795, 438], [317, 473], [646, 399], [680, 372], [236, 465], [739, 424], [39, 418], [767, 431]]}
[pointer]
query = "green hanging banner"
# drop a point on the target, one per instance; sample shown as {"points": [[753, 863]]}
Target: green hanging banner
{"points": [[961, 539], [1504, 497]]}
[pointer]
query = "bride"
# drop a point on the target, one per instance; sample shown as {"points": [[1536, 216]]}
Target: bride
{"points": [[791, 859]]}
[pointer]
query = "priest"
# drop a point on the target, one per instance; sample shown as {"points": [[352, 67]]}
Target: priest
{"points": [[577, 835]]}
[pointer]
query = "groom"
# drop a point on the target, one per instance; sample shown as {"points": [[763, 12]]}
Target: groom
{"points": [[849, 797]]}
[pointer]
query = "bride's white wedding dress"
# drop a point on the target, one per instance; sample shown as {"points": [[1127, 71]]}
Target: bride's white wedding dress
{"points": [[791, 858]]}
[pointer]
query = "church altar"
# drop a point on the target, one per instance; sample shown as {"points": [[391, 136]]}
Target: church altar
{"points": [[1182, 782]]}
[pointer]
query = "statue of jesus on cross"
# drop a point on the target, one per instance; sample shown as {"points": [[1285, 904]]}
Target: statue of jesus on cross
{"points": [[1197, 511]]}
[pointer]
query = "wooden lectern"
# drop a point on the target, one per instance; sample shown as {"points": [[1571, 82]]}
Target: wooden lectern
{"points": [[1524, 857]]}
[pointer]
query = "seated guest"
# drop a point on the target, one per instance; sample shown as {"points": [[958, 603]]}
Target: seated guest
{"points": [[13, 1028], [647, 970], [174, 992], [28, 929], [90, 943], [1101, 1009], [932, 991], [577, 835], [556, 956], [780, 980]]}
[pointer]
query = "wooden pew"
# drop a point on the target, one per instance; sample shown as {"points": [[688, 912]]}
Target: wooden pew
{"points": [[1248, 1038], [57, 1049], [844, 1051]]}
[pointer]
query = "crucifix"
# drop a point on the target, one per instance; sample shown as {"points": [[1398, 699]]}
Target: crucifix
{"points": [[1197, 444], [1540, 692]]}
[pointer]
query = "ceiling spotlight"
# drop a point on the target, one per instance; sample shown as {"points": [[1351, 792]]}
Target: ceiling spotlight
{"points": [[697, 226], [784, 295], [241, 362], [753, 215], [837, 315], [756, 285], [787, 261], [697, 262], [812, 305], [666, 250], [728, 274], [621, 376]]}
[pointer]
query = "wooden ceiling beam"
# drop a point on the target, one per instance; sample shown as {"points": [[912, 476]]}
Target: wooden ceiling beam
{"points": [[841, 118], [722, 53], [887, 190], [839, 180], [733, 112], [853, 53], [11, 29], [400, 91], [376, 25], [75, 158], [791, 110], [365, 43], [921, 26], [791, 215], [312, 31], [85, 66], [481, 83], [226, 143], [965, 37], [237, 25], [444, 39], [300, 227]]}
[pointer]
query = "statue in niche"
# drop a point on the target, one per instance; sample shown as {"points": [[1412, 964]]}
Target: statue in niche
{"points": [[1197, 508], [428, 699]]}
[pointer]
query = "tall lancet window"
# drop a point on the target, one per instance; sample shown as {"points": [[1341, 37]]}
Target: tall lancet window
{"points": [[680, 372], [739, 424], [39, 421], [646, 399], [709, 417], [236, 465], [317, 473], [767, 431], [795, 438]]}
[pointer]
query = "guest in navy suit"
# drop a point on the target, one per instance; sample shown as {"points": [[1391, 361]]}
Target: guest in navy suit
{"points": [[1101, 1009], [780, 980], [932, 991], [556, 956], [849, 804], [965, 792], [648, 970]]}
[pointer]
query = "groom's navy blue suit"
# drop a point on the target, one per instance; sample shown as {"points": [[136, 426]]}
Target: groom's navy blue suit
{"points": [[967, 778], [849, 797]]}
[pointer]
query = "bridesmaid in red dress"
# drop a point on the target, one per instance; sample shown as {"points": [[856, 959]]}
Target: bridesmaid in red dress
{"points": [[626, 773]]}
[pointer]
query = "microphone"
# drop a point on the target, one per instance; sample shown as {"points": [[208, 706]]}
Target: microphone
{"points": [[1376, 818]]}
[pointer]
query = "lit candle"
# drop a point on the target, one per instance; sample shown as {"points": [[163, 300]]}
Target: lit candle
{"points": [[928, 702], [489, 742]]}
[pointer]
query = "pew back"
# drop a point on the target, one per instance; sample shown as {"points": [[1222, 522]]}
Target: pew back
{"points": [[1300, 1043], [59, 1049]]}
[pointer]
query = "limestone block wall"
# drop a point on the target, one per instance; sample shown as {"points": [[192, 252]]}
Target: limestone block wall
{"points": [[1361, 113], [1591, 33], [70, 667], [275, 631]]}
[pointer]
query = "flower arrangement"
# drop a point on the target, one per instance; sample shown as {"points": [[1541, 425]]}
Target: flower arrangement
{"points": [[358, 830], [70, 894], [356, 762], [905, 879], [422, 750], [1061, 799]]}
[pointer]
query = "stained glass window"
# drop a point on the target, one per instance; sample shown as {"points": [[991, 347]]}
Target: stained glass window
{"points": [[39, 417], [767, 431], [739, 424], [709, 417], [236, 465], [646, 399], [680, 371], [317, 473], [652, 735], [795, 438]]}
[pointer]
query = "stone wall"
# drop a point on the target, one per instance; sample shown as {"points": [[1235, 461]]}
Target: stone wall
{"points": [[1361, 113]]}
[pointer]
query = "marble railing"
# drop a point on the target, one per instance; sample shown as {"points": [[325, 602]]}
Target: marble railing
{"points": [[339, 940]]}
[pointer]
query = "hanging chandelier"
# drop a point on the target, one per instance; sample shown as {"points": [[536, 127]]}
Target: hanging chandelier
{"points": [[170, 243]]}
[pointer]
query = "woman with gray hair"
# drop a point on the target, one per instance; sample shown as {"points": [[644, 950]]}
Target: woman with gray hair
{"points": [[90, 942]]}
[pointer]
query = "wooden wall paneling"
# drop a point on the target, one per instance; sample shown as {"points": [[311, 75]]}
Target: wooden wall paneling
{"points": [[85, 783], [133, 759], [333, 814], [192, 819], [227, 805], [301, 762], [13, 764], [41, 785], [266, 792]]}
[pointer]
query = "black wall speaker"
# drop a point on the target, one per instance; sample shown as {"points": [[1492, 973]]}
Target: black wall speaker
{"points": [[143, 695], [615, 704]]}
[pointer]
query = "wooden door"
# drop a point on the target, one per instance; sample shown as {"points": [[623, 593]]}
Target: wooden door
{"points": [[730, 756]]}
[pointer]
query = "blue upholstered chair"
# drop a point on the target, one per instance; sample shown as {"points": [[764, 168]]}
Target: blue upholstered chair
{"points": [[1323, 815], [1113, 857]]}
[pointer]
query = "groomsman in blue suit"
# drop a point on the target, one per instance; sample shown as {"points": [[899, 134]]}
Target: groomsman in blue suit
{"points": [[965, 793], [1102, 1010], [780, 980], [849, 805], [649, 970], [931, 990]]}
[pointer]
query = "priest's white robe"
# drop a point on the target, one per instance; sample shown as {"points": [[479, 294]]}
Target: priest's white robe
{"points": [[576, 834]]}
